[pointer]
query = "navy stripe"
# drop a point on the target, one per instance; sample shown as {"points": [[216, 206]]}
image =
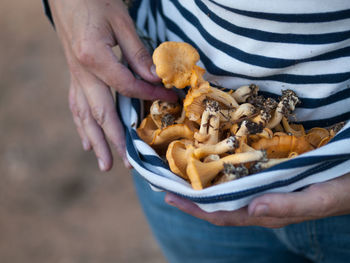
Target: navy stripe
{"points": [[315, 103], [134, 9], [311, 39], [309, 103], [287, 78], [245, 193], [305, 161], [326, 122], [257, 60], [154, 160], [294, 18], [345, 134]]}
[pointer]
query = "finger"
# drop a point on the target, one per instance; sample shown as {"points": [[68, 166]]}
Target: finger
{"points": [[314, 202], [220, 218], [238, 217], [132, 47], [75, 113], [102, 62], [103, 111], [94, 133]]}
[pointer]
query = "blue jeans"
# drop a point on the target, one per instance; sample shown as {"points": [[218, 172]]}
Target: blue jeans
{"points": [[184, 238]]}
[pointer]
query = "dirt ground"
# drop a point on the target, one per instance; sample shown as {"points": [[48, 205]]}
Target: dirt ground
{"points": [[55, 205]]}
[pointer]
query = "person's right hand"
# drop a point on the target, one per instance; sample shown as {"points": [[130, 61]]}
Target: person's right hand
{"points": [[88, 30]]}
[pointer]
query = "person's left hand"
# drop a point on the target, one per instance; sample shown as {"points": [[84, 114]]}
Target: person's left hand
{"points": [[276, 210]]}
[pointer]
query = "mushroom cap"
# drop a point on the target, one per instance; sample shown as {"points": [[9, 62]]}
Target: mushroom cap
{"points": [[162, 137], [177, 157], [282, 146], [316, 135], [194, 102], [147, 129], [159, 109], [175, 62]]}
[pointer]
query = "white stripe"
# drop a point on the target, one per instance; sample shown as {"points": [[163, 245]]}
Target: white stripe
{"points": [[302, 90], [315, 178], [287, 6], [325, 112], [152, 25], [142, 15], [272, 26], [226, 62]]}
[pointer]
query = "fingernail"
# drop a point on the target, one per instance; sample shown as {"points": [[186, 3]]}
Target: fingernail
{"points": [[170, 199], [261, 210], [153, 71], [101, 164], [86, 145]]}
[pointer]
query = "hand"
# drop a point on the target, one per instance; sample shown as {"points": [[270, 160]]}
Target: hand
{"points": [[88, 30], [277, 210]]}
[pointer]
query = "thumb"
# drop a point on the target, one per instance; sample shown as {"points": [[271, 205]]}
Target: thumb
{"points": [[314, 201], [133, 50]]}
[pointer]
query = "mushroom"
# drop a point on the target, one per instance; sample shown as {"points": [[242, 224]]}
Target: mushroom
{"points": [[245, 92], [231, 172], [226, 145], [249, 127], [265, 107], [233, 115], [209, 129], [170, 133], [194, 104], [315, 135], [160, 109], [147, 129], [201, 174], [287, 104], [175, 63], [266, 133], [282, 146], [261, 165], [293, 129], [177, 156], [222, 97], [211, 158]]}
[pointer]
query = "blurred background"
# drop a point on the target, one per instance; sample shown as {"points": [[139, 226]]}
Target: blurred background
{"points": [[55, 205]]}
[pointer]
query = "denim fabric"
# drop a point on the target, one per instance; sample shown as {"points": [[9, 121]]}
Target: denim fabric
{"points": [[184, 238]]}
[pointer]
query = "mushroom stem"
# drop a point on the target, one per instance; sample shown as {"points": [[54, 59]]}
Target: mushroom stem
{"points": [[232, 115], [226, 145], [209, 129], [232, 172], [259, 166], [201, 174], [243, 93], [286, 105], [222, 97], [249, 127]]}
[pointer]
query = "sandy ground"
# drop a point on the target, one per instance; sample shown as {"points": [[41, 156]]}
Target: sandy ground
{"points": [[55, 206]]}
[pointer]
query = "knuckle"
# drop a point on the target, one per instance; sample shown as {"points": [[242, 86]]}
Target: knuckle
{"points": [[99, 114], [84, 52], [124, 89], [142, 56], [83, 114]]}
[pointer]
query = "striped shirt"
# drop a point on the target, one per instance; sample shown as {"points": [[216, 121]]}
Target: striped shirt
{"points": [[302, 45]]}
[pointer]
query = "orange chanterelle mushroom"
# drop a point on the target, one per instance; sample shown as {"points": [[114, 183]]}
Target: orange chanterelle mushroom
{"points": [[215, 136]]}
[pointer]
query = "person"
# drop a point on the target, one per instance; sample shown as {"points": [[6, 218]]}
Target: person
{"points": [[303, 45]]}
